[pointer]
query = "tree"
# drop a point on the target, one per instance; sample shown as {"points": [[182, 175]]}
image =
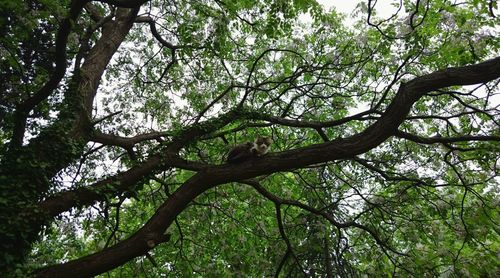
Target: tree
{"points": [[116, 116]]}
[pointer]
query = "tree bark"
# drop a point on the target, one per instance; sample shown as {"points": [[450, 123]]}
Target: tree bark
{"points": [[27, 170]]}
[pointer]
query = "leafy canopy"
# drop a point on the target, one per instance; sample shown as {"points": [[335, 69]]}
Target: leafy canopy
{"points": [[190, 79]]}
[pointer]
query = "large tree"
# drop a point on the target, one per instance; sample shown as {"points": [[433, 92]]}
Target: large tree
{"points": [[116, 116]]}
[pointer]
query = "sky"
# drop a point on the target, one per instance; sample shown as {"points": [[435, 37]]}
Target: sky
{"points": [[383, 7], [344, 6]]}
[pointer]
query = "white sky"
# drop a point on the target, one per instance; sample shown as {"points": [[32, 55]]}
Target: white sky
{"points": [[383, 7], [344, 6]]}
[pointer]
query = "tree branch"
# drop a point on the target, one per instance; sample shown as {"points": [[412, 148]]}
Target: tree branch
{"points": [[154, 31], [125, 142], [386, 126], [322, 213], [25, 107], [124, 3]]}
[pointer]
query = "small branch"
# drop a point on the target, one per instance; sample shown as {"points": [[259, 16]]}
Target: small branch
{"points": [[412, 25], [151, 260], [252, 70], [282, 263], [444, 140], [223, 94], [125, 142], [386, 175], [277, 200], [105, 117], [117, 222], [322, 134], [289, 248], [377, 25], [318, 124], [154, 31]]}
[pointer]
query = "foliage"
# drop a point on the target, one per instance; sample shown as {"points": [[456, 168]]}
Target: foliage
{"points": [[151, 99]]}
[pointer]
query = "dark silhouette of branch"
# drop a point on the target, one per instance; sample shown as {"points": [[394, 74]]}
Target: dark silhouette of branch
{"points": [[322, 213], [213, 102], [125, 142], [154, 31], [254, 65], [443, 140], [124, 3], [26, 106], [377, 25], [491, 5], [289, 247]]}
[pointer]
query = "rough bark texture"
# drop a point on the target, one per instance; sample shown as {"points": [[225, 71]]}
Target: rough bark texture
{"points": [[28, 169]]}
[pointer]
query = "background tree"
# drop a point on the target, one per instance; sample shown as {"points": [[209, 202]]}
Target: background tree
{"points": [[116, 116]]}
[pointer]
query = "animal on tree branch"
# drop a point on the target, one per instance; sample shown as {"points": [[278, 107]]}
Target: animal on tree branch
{"points": [[248, 150]]}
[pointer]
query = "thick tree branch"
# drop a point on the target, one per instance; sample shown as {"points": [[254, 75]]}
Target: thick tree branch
{"points": [[113, 34], [64, 201], [124, 3], [93, 12], [30, 168], [89, 78], [54, 205], [25, 107], [386, 126], [85, 196]]}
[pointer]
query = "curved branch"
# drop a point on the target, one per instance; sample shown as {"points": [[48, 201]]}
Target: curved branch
{"points": [[254, 65], [370, 11], [154, 31], [491, 8], [213, 102], [115, 185], [64, 201], [25, 107], [139, 243]]}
